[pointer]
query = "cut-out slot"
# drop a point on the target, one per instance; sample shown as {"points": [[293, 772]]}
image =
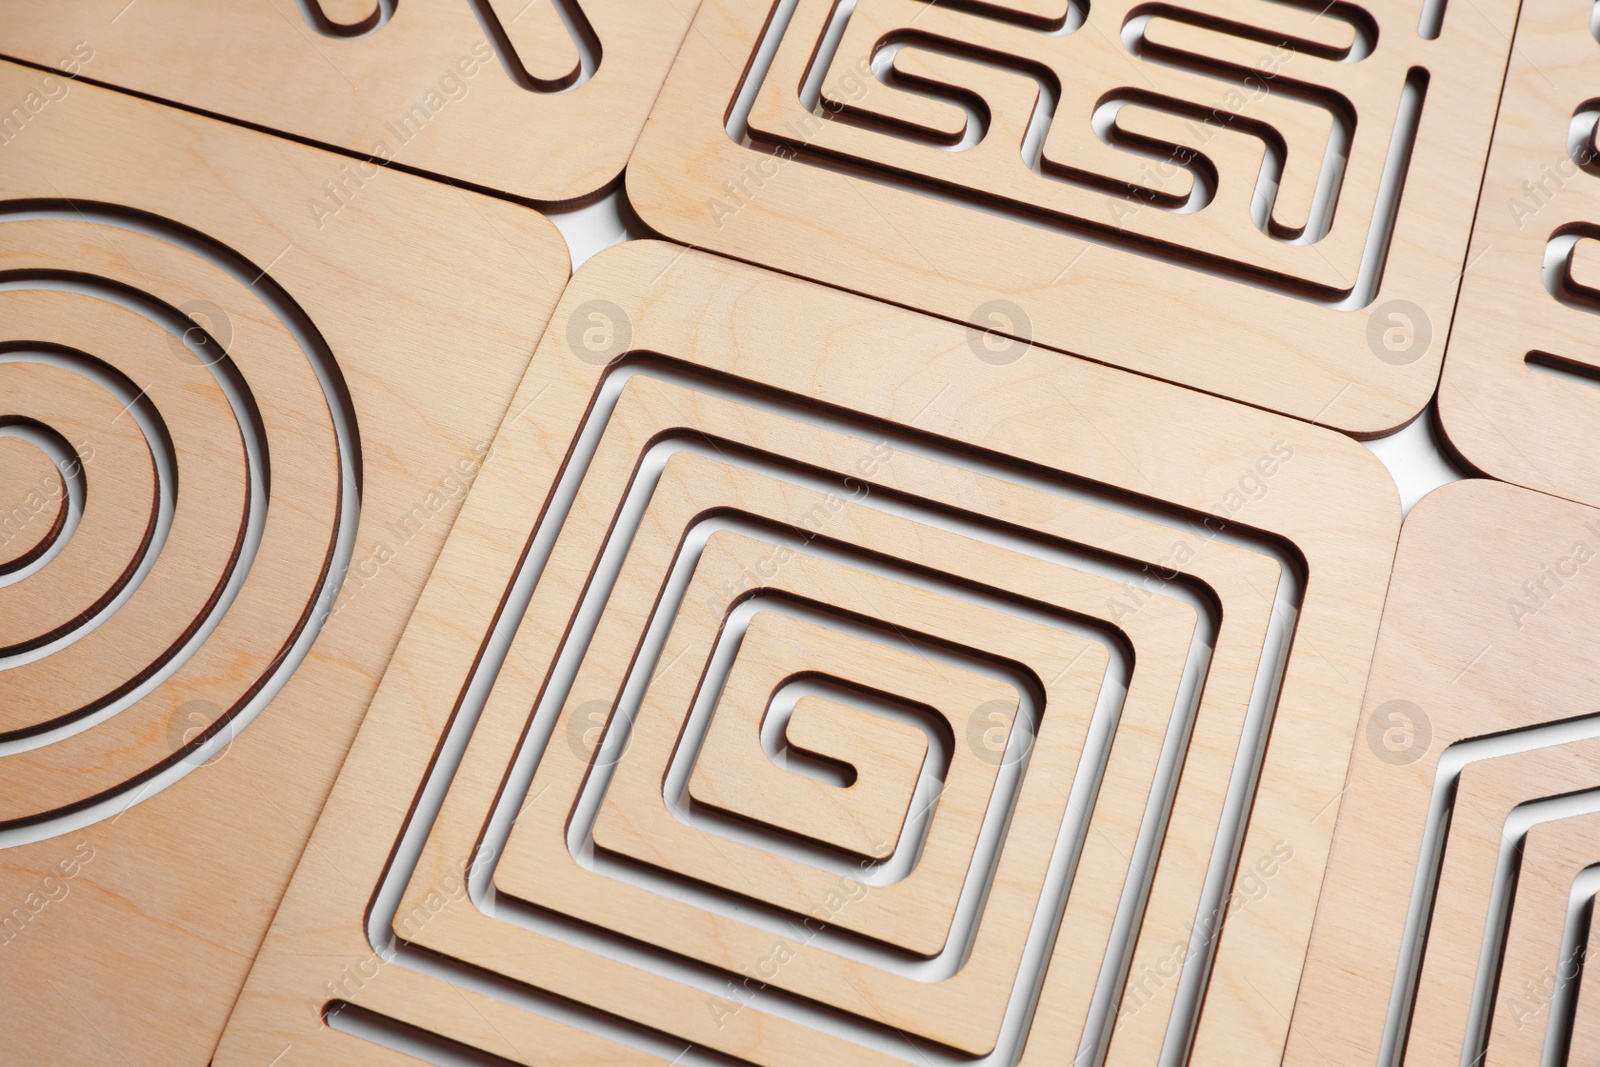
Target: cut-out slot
{"points": [[773, 1000], [346, 18], [163, 416], [547, 46], [41, 501], [923, 87]]}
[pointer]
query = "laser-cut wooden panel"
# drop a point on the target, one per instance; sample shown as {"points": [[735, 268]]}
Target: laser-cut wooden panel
{"points": [[28, 475], [966, 516], [220, 411], [1554, 854], [1585, 1027], [1488, 791], [1490, 589], [1192, 194], [883, 757], [490, 93], [1518, 395]]}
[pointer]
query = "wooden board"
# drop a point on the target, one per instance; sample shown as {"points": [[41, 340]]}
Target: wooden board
{"points": [[882, 757], [220, 410], [1553, 855], [37, 492], [1491, 588], [494, 94], [1518, 397], [1585, 1029], [1204, 198], [1487, 793], [694, 437]]}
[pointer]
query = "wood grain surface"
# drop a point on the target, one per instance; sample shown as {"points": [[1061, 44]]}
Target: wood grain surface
{"points": [[1198, 195], [1487, 793], [484, 93], [882, 757], [1518, 397], [250, 407], [926, 486], [1490, 589], [1553, 854]]}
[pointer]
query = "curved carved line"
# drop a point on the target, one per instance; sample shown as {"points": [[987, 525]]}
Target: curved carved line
{"points": [[342, 414], [577, 25], [319, 20]]}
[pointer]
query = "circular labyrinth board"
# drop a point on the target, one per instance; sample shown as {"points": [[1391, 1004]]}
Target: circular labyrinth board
{"points": [[232, 441], [1134, 646]]}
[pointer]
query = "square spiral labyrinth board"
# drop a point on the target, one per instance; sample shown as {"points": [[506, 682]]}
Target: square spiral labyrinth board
{"points": [[1267, 201], [1518, 395], [1470, 743], [210, 410], [1061, 592], [541, 99]]}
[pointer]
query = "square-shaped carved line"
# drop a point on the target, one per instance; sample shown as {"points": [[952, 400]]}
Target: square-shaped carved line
{"points": [[1183, 919], [840, 747], [927, 897], [1518, 393], [1275, 181], [908, 669], [911, 1003], [957, 439]]}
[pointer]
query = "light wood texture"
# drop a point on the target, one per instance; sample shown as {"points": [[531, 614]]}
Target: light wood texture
{"points": [[33, 493], [872, 430], [1553, 854], [1489, 591], [1486, 793], [1185, 176], [965, 1009], [131, 225], [1586, 1013], [197, 559], [111, 536], [883, 756], [913, 914], [482, 92], [1500, 405]]}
